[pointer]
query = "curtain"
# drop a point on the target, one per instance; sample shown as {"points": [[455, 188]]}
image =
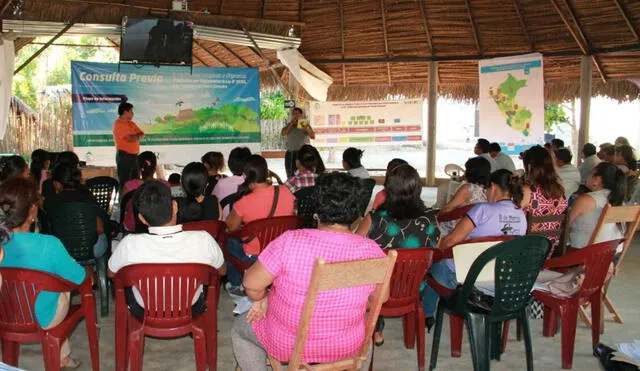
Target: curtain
{"points": [[312, 79]]}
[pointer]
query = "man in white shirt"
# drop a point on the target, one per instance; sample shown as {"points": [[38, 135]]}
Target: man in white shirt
{"points": [[590, 161], [568, 174], [166, 242], [503, 160], [482, 149]]}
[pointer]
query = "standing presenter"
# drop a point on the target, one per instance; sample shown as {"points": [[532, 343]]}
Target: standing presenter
{"points": [[127, 136], [298, 131]]}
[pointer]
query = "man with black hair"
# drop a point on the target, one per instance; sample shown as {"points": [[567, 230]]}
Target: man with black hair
{"points": [[126, 136], [556, 144], [298, 132], [482, 149], [567, 172], [503, 160], [589, 161], [166, 242]]}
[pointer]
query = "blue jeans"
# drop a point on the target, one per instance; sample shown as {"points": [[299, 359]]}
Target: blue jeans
{"points": [[235, 247], [101, 245], [442, 273]]}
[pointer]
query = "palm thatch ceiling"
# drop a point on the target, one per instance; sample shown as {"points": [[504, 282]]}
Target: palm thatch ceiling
{"points": [[377, 48]]}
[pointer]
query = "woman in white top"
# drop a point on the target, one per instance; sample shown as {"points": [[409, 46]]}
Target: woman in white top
{"points": [[351, 163], [607, 184]]}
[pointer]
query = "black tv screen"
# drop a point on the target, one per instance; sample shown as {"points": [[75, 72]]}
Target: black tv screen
{"points": [[156, 41]]}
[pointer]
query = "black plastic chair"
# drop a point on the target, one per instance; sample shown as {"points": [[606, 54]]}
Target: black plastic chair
{"points": [[305, 207], [75, 225], [229, 201], [517, 264], [105, 190], [367, 192]]}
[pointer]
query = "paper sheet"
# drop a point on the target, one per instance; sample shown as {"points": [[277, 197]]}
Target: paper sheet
{"points": [[465, 254]]}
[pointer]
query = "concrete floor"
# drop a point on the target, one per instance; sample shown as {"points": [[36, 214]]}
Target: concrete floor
{"points": [[178, 354]]}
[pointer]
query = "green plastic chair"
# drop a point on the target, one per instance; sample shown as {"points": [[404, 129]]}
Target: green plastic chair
{"points": [[75, 224], [306, 207], [517, 264]]}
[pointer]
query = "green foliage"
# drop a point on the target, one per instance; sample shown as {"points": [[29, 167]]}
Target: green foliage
{"points": [[227, 120], [554, 115], [272, 106]]}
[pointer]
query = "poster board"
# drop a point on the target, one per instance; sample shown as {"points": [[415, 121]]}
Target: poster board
{"points": [[183, 114], [511, 101], [367, 122]]}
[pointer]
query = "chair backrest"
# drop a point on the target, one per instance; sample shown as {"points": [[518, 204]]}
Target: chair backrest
{"points": [[266, 230], [305, 207], [410, 270], [229, 200], [559, 233], [105, 190], [629, 215], [367, 191], [167, 290], [215, 228], [334, 276], [517, 264], [454, 214], [20, 288], [596, 259], [75, 224]]}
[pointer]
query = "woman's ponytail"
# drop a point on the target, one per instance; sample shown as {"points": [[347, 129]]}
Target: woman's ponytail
{"points": [[506, 181]]}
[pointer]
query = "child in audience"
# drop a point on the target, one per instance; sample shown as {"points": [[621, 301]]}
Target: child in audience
{"points": [[308, 169], [175, 182], [214, 162], [229, 186], [351, 158]]}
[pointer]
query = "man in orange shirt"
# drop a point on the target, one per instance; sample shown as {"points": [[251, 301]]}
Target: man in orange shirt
{"points": [[127, 136]]}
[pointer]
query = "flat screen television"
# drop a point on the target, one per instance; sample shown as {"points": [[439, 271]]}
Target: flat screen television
{"points": [[156, 41]]}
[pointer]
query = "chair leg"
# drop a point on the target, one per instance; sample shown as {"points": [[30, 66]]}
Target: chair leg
{"points": [[519, 330], [584, 316], [408, 329], [549, 322], [211, 333], [496, 340], [528, 345], [437, 331], [479, 340], [10, 352], [121, 337], [136, 350], [612, 309], [92, 336], [505, 335], [200, 348], [51, 353], [373, 356], [420, 338], [569, 323], [103, 286], [596, 312], [456, 325]]}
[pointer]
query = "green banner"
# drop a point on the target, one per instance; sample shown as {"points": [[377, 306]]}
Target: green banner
{"points": [[106, 140]]}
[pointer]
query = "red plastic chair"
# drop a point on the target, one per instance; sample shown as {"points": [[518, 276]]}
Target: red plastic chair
{"points": [[404, 297], [167, 291], [596, 259], [457, 323], [20, 288], [454, 214], [264, 231], [216, 229]]}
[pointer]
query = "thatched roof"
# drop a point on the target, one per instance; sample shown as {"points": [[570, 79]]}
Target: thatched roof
{"points": [[374, 48]]}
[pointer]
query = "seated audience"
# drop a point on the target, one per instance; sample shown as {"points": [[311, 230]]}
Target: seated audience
{"points": [[556, 144], [482, 149], [147, 164], [39, 168], [285, 266], [175, 182], [547, 146], [67, 184], [13, 166], [589, 161], [214, 162], [63, 159], [166, 242], [607, 186], [625, 158], [503, 160], [501, 215], [307, 165], [621, 141], [402, 221], [543, 191], [569, 174], [351, 158], [381, 196], [607, 152], [197, 204], [259, 200], [18, 209], [228, 186]]}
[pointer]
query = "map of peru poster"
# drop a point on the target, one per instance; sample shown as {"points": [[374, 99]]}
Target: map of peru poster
{"points": [[511, 101]]}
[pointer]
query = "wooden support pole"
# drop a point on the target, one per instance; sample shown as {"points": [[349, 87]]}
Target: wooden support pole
{"points": [[236, 56], [525, 32], [432, 105], [344, 69], [53, 39], [627, 19], [586, 81], [386, 40], [76, 45], [210, 53], [473, 27]]}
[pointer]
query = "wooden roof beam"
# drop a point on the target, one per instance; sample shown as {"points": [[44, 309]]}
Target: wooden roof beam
{"points": [[627, 19], [344, 69], [4, 6], [263, 5], [76, 45], [473, 27], [425, 25], [579, 37], [210, 53], [523, 25], [220, 7], [235, 55], [200, 60], [386, 40]]}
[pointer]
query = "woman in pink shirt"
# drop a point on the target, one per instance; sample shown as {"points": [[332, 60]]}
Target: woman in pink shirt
{"points": [[338, 324]]}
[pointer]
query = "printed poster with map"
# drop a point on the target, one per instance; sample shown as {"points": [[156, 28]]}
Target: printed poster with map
{"points": [[512, 101]]}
